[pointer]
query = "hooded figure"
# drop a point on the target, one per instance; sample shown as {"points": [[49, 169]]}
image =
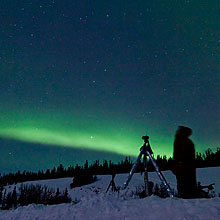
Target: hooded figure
{"points": [[184, 163]]}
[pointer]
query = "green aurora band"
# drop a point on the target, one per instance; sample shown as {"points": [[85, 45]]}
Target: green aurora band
{"points": [[82, 131]]}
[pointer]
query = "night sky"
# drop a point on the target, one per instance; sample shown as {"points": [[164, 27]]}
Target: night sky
{"points": [[86, 79]]}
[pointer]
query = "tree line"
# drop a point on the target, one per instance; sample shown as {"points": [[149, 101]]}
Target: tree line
{"points": [[207, 159], [29, 194]]}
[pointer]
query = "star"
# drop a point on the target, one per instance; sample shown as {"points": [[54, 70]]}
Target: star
{"points": [[80, 64]]}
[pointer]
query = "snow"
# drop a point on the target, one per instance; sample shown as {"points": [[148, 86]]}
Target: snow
{"points": [[94, 203]]}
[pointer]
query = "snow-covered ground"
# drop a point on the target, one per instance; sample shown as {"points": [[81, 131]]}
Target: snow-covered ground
{"points": [[95, 204]]}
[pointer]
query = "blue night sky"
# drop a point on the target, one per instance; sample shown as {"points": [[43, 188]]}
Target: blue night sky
{"points": [[83, 79]]}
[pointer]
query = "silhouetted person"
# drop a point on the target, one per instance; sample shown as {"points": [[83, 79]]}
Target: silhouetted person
{"points": [[184, 163]]}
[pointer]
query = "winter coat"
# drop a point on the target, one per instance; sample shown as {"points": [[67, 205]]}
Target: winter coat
{"points": [[184, 156]]}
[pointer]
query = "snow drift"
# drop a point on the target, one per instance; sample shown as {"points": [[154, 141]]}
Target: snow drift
{"points": [[94, 203]]}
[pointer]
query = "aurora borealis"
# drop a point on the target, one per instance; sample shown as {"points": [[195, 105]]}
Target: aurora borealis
{"points": [[73, 131], [97, 75]]}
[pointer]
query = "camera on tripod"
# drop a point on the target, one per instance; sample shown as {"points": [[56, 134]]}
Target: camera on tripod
{"points": [[145, 138], [146, 151]]}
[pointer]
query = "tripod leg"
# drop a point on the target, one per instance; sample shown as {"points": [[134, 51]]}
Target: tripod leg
{"points": [[161, 176], [114, 187], [109, 186], [132, 171], [146, 177]]}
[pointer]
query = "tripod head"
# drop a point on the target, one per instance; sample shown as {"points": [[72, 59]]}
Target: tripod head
{"points": [[145, 138], [146, 146]]}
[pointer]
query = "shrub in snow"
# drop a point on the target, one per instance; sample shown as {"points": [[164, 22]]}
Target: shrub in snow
{"points": [[154, 189], [83, 179], [29, 194]]}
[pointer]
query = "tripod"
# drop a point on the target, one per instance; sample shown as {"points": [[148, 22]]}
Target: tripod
{"points": [[112, 183], [147, 151]]}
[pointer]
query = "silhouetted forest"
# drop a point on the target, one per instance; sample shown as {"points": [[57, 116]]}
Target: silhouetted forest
{"points": [[207, 159], [28, 194]]}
